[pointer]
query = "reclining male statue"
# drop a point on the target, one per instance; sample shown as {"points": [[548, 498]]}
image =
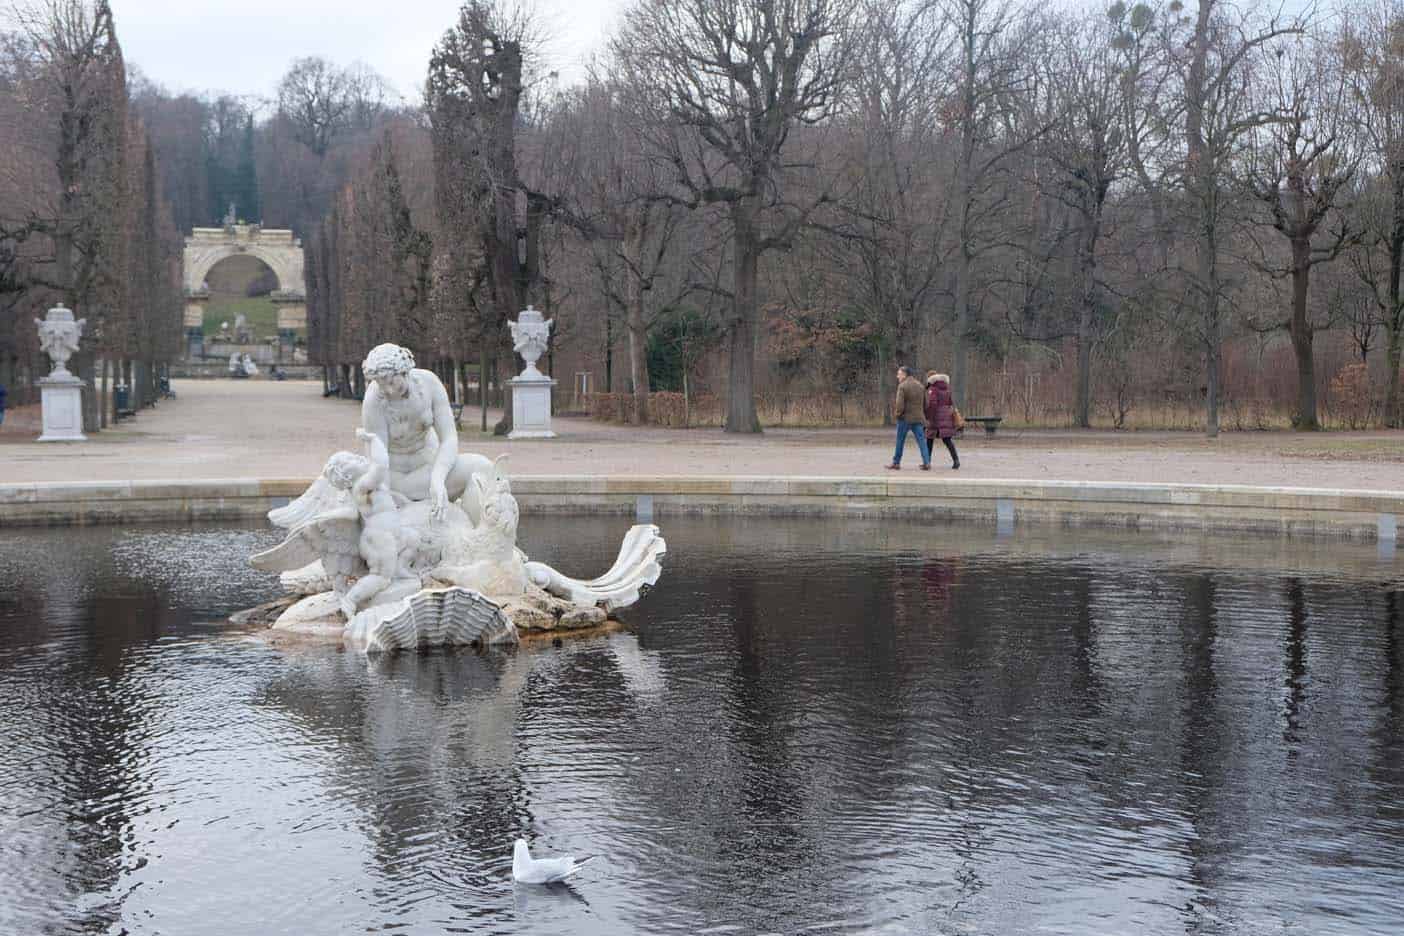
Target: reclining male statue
{"points": [[408, 408]]}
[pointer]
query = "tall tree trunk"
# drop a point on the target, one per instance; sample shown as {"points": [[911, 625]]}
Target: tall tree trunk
{"points": [[103, 409], [1086, 320], [1204, 182], [961, 351], [1301, 335], [1392, 355], [483, 382], [1394, 320], [504, 367], [881, 396], [87, 372], [970, 39], [1084, 368], [741, 413], [1208, 271], [687, 403], [638, 344], [609, 352]]}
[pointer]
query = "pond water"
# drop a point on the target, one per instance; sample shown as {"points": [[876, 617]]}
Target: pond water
{"points": [[810, 727]]}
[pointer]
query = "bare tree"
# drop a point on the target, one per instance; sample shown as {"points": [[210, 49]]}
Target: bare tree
{"points": [[477, 79], [1300, 167], [1349, 299], [994, 77], [628, 217], [81, 65], [887, 242], [1372, 50], [1087, 142], [1218, 114], [317, 98], [737, 78]]}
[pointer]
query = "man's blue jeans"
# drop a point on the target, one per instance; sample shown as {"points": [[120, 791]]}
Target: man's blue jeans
{"points": [[903, 427]]}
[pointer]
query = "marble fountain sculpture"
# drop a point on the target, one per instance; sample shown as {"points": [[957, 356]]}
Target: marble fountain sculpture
{"points": [[412, 544]]}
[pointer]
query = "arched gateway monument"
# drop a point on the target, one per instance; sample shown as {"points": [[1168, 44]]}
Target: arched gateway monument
{"points": [[276, 248]]}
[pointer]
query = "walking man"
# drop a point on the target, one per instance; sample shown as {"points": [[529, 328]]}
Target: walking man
{"points": [[911, 402]]}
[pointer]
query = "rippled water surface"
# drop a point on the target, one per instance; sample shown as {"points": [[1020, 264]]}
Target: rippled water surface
{"points": [[810, 727]]}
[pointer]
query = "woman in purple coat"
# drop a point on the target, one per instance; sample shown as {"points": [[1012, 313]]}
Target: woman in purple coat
{"points": [[940, 414]]}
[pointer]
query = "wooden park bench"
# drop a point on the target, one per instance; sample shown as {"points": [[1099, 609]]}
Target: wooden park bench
{"points": [[990, 423]]}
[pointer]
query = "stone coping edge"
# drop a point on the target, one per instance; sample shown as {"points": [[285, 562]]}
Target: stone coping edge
{"points": [[1229, 507]]}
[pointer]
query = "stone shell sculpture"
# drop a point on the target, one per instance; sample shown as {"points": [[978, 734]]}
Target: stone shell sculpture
{"points": [[370, 560], [636, 569], [433, 617]]}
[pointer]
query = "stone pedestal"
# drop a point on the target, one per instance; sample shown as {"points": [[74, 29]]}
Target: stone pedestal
{"points": [[531, 406], [292, 320], [195, 325], [287, 341], [62, 408], [194, 343]]}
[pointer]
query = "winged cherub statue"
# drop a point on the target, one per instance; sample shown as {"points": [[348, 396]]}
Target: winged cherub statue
{"points": [[365, 543]]}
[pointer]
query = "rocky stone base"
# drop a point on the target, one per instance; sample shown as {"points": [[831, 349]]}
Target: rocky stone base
{"points": [[263, 615], [426, 619], [538, 610]]}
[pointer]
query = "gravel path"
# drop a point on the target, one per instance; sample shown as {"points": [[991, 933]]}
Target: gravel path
{"points": [[227, 428]]}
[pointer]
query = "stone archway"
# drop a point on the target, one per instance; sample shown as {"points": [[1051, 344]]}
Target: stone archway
{"points": [[276, 248]]}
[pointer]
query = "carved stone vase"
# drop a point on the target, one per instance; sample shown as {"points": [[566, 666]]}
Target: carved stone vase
{"points": [[531, 390], [61, 392]]}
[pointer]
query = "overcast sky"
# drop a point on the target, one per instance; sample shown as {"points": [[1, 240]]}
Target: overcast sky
{"points": [[244, 46]]}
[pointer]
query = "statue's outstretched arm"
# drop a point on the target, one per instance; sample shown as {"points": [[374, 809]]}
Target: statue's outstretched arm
{"points": [[373, 416], [447, 432], [379, 461]]}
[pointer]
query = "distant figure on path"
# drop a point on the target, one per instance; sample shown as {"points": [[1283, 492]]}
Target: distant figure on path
{"points": [[940, 414], [910, 416], [2, 404]]}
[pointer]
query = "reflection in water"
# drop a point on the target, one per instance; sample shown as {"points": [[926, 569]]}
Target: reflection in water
{"points": [[1296, 662], [854, 727]]}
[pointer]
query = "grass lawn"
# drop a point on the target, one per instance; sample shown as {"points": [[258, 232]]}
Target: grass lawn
{"points": [[260, 311]]}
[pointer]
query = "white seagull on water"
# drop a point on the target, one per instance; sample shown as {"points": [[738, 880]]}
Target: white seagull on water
{"points": [[529, 870]]}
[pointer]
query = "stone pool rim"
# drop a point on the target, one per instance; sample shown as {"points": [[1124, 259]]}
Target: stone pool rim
{"points": [[1237, 508]]}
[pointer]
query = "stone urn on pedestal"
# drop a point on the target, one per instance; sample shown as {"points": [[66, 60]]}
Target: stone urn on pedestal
{"points": [[62, 392], [531, 390]]}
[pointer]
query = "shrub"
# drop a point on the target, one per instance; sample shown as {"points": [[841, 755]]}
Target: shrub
{"points": [[1351, 398]]}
